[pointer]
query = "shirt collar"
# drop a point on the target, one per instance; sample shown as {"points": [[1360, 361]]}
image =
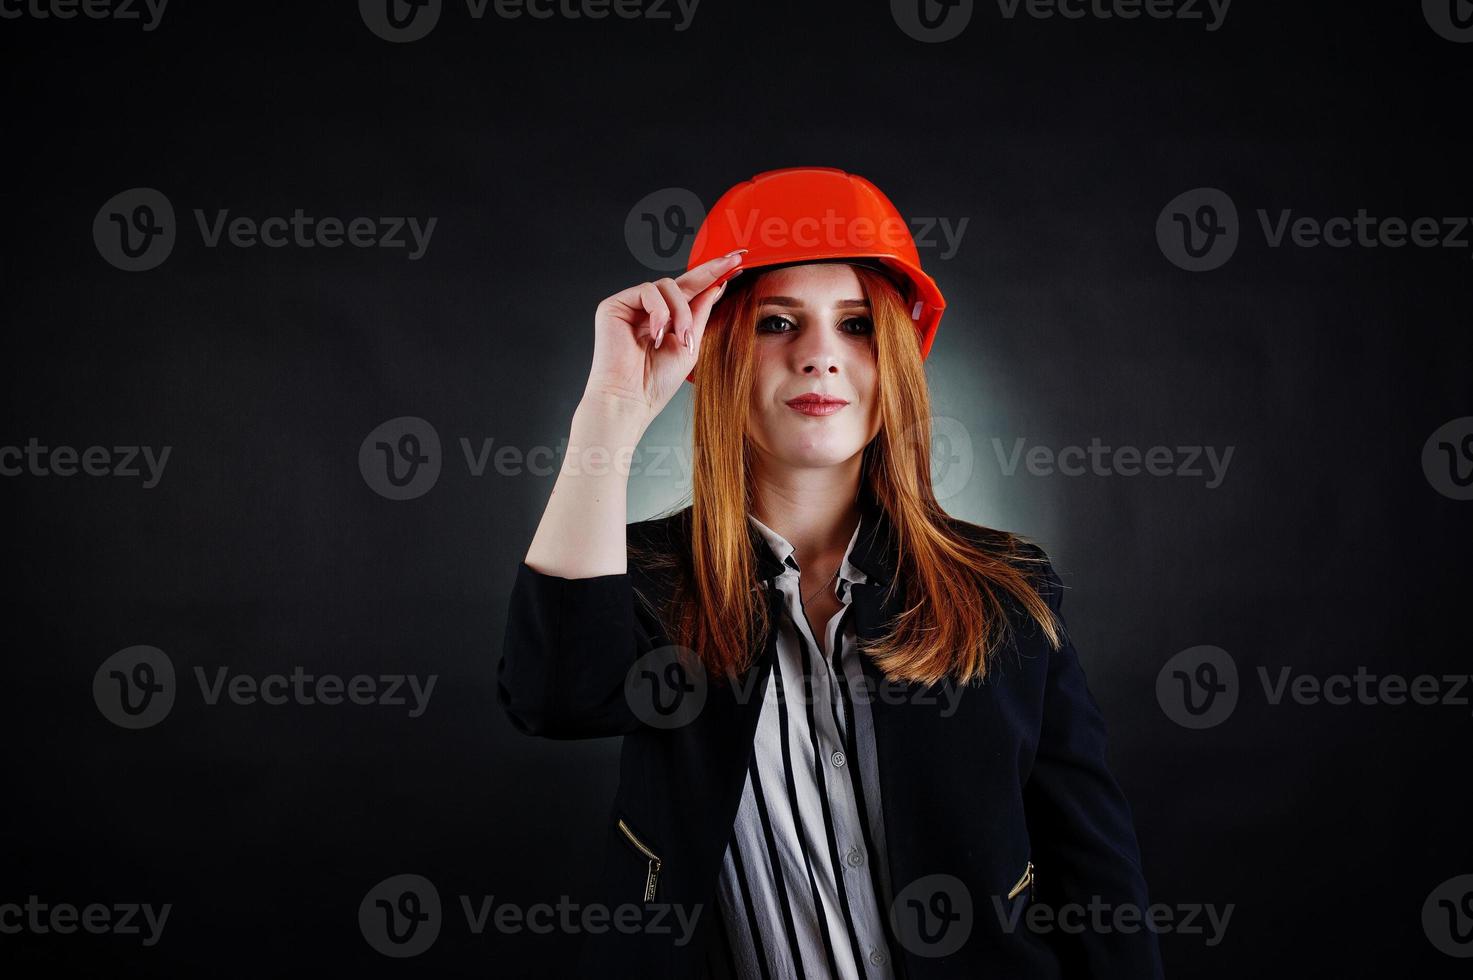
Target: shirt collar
{"points": [[783, 552], [874, 553]]}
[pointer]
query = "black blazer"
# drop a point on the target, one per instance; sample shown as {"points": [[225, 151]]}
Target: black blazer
{"points": [[982, 784]]}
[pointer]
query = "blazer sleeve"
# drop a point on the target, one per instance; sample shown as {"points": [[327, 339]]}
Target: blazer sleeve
{"points": [[568, 646], [1081, 826]]}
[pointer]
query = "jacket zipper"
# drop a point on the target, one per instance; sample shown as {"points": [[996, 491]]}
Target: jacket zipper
{"points": [[652, 877], [1023, 882]]}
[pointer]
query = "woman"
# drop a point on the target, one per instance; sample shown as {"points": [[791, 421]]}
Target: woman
{"points": [[853, 725]]}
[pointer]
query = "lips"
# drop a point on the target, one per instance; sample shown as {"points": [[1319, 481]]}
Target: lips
{"points": [[816, 404]]}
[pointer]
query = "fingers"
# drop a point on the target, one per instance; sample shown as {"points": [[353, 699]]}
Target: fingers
{"points": [[679, 308], [658, 309], [666, 303], [702, 276], [700, 307]]}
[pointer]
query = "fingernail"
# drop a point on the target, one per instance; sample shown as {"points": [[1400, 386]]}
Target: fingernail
{"points": [[730, 254], [687, 341], [658, 337]]}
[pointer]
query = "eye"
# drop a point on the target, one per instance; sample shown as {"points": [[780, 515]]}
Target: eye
{"points": [[858, 325], [775, 324]]}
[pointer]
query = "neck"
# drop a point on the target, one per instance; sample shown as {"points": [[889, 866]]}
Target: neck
{"points": [[814, 509]]}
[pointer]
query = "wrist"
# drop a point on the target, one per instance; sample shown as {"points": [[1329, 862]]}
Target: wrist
{"points": [[610, 420]]}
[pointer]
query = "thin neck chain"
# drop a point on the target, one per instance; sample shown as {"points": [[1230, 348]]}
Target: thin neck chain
{"points": [[825, 585]]}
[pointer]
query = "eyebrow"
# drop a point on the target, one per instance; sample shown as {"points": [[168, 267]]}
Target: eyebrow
{"points": [[799, 304]]}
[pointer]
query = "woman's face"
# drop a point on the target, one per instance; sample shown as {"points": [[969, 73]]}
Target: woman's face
{"points": [[814, 337]]}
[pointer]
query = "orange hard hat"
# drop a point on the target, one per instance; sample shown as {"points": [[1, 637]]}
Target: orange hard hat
{"points": [[818, 214]]}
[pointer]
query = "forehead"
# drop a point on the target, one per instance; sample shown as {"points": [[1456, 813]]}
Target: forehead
{"points": [[819, 284]]}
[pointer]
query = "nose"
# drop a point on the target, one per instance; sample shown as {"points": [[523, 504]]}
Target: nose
{"points": [[818, 353]]}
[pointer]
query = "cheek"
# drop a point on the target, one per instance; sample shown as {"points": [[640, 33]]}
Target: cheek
{"points": [[867, 385], [762, 414]]}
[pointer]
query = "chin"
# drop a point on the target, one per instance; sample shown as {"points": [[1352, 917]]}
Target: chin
{"points": [[813, 450]]}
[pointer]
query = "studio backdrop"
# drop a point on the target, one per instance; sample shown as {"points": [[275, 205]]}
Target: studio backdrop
{"points": [[298, 304]]}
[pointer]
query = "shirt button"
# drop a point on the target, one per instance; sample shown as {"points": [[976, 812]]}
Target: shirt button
{"points": [[837, 758], [876, 957], [854, 857]]}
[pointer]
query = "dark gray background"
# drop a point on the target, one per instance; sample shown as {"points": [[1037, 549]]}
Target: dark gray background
{"points": [[1059, 141]]}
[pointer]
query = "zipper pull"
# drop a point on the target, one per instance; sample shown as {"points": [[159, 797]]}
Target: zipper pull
{"points": [[651, 880], [1024, 882], [652, 876]]}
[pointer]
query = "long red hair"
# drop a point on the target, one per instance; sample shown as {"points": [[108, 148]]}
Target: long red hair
{"points": [[955, 591]]}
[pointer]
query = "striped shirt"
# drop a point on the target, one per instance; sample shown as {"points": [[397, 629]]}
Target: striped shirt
{"points": [[804, 883]]}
